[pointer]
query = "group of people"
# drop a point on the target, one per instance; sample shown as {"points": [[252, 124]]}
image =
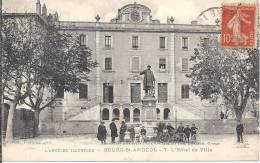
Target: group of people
{"points": [[137, 133], [188, 131]]}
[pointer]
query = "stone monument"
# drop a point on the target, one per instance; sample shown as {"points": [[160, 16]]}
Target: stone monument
{"points": [[149, 100]]}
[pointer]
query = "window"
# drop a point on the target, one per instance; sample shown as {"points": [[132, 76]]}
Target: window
{"points": [[162, 42], [185, 43], [82, 40], [83, 91], [116, 114], [135, 42], [126, 114], [108, 63], [185, 64], [135, 92], [185, 91], [162, 92], [105, 114], [108, 41], [136, 115], [60, 93], [135, 63], [162, 64], [108, 96], [166, 114], [205, 41], [158, 115]]}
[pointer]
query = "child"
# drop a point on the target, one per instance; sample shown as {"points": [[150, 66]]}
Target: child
{"points": [[193, 130], [143, 134], [137, 133], [132, 133]]}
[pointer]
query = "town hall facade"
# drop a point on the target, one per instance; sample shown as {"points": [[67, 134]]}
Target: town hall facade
{"points": [[123, 48]]}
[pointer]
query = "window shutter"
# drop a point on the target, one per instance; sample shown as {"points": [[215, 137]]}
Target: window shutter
{"points": [[185, 91], [166, 42], [112, 44], [162, 92], [201, 41], [139, 42], [135, 63], [185, 64], [108, 63], [86, 40], [83, 91]]}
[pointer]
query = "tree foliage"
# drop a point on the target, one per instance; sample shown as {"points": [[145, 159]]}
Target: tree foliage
{"points": [[39, 60], [229, 73]]}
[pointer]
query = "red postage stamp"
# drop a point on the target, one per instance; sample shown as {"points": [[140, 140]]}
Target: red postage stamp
{"points": [[238, 27]]}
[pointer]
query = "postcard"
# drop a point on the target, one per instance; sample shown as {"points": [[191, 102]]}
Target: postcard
{"points": [[130, 80]]}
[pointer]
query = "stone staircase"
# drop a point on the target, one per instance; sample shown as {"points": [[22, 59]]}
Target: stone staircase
{"points": [[189, 111], [92, 103]]}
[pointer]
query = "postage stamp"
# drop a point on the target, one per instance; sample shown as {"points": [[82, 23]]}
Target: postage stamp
{"points": [[238, 28]]}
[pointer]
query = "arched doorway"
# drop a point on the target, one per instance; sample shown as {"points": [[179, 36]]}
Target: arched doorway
{"points": [[158, 114], [136, 115], [116, 114], [105, 114], [126, 113], [166, 114]]}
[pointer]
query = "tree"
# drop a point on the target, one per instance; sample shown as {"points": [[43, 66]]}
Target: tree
{"points": [[38, 61], [63, 66], [232, 74], [20, 46]]}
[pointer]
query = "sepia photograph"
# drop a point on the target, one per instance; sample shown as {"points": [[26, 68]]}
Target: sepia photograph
{"points": [[130, 80]]}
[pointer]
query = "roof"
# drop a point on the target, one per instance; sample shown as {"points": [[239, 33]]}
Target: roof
{"points": [[104, 26]]}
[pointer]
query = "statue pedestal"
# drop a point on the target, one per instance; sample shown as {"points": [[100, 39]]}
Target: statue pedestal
{"points": [[149, 109]]}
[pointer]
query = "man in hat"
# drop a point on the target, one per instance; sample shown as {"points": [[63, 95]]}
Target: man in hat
{"points": [[102, 133], [113, 129], [123, 129], [240, 130], [148, 81]]}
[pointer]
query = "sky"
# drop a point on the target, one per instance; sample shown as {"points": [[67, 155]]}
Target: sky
{"points": [[183, 11]]}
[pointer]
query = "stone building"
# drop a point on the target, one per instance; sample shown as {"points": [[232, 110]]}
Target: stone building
{"points": [[125, 46]]}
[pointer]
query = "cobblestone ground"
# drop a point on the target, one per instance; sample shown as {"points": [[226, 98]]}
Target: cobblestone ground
{"points": [[87, 147]]}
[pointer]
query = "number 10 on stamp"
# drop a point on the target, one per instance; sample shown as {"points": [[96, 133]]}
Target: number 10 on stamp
{"points": [[238, 27]]}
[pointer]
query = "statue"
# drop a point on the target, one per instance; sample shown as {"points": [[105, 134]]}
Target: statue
{"points": [[149, 81]]}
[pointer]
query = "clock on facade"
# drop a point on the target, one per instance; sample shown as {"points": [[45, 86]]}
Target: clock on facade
{"points": [[135, 16]]}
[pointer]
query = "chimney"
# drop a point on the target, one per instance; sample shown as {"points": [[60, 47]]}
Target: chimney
{"points": [[38, 7], [56, 16], [44, 11]]}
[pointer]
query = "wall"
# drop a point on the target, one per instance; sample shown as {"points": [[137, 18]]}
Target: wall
{"points": [[69, 127], [90, 127]]}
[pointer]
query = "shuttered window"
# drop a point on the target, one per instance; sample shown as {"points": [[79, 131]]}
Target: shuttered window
{"points": [[162, 64], [135, 92], [82, 40], [135, 42], [108, 63], [185, 64], [185, 43], [162, 92], [83, 91], [185, 91], [162, 42], [108, 95], [108, 41], [135, 63]]}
